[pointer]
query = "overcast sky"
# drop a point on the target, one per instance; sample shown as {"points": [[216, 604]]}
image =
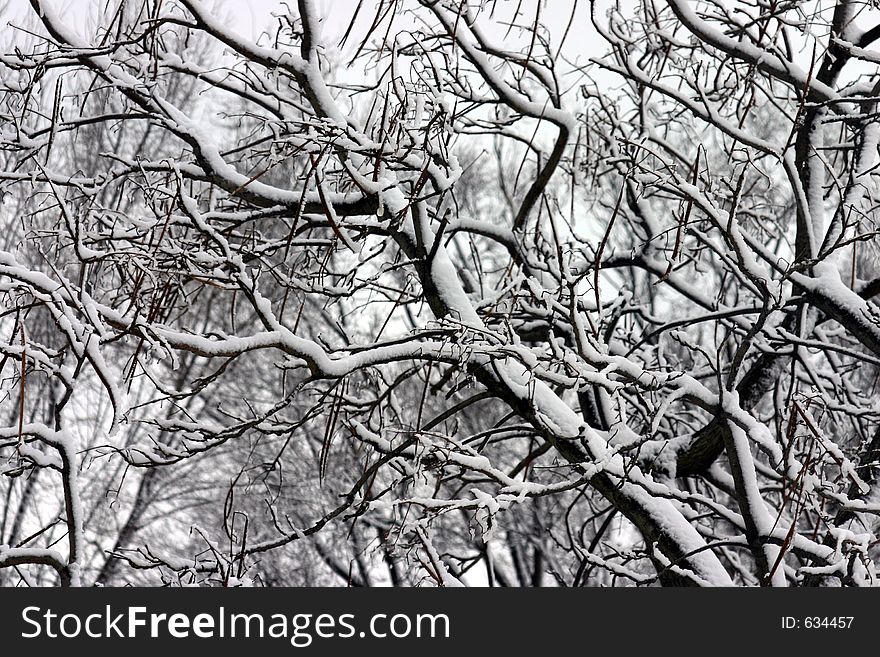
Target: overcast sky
{"points": [[251, 17]]}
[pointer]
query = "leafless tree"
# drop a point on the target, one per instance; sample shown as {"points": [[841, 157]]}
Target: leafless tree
{"points": [[443, 298]]}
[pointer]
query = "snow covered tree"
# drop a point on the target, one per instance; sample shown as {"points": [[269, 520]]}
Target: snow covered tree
{"points": [[425, 292]]}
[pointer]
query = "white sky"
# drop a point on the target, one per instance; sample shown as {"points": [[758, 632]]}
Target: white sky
{"points": [[250, 17]]}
